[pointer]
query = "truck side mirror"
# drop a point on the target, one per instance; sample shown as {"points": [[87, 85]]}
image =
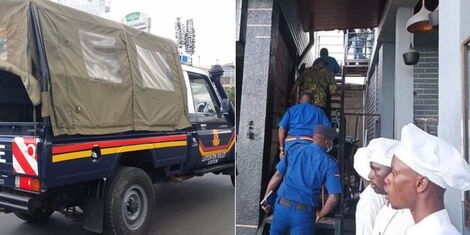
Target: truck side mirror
{"points": [[201, 107], [225, 106]]}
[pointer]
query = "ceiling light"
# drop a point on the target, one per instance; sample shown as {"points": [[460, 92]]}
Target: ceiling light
{"points": [[419, 23], [411, 57]]}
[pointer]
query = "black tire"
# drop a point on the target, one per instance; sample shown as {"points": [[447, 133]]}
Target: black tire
{"points": [[39, 215], [127, 192]]}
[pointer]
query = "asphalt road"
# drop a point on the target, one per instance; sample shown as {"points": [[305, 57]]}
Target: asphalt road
{"points": [[202, 205]]}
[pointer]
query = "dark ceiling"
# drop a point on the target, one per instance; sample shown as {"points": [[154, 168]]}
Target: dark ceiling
{"points": [[320, 15]]}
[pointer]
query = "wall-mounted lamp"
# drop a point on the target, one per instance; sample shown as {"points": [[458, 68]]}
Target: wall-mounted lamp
{"points": [[419, 22]]}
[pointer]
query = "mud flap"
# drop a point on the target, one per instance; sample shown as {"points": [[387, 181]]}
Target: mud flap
{"points": [[94, 214]]}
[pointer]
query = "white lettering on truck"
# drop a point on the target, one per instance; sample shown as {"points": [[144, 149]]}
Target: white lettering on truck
{"points": [[2, 154]]}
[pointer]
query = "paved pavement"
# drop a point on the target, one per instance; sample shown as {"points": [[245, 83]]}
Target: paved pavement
{"points": [[202, 205]]}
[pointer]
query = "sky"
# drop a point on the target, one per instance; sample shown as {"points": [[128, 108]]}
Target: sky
{"points": [[214, 22]]}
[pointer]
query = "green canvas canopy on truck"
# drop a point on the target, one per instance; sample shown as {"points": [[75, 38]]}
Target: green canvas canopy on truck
{"points": [[91, 75]]}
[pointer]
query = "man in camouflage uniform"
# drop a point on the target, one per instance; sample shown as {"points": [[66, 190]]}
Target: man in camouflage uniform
{"points": [[320, 82]]}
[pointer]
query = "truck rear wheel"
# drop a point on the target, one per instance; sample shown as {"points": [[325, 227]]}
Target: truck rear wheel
{"points": [[39, 215], [130, 202]]}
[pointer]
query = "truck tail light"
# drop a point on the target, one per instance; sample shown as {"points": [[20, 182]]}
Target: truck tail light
{"points": [[28, 183]]}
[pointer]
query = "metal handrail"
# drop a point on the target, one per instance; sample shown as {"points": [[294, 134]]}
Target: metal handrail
{"points": [[359, 45]]}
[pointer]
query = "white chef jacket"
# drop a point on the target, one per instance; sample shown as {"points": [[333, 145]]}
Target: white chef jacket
{"points": [[437, 223], [393, 222], [367, 209]]}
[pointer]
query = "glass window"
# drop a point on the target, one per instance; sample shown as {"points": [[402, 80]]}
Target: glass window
{"points": [[155, 69], [204, 101], [3, 44], [100, 56]]}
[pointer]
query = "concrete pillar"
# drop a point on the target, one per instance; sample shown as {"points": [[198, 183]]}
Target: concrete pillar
{"points": [[387, 104], [403, 73], [453, 25], [253, 141]]}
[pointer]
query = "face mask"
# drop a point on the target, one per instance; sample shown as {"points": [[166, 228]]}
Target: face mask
{"points": [[329, 148]]}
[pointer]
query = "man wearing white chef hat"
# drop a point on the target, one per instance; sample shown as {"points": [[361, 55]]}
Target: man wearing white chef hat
{"points": [[423, 167], [370, 202], [388, 221], [379, 152]]}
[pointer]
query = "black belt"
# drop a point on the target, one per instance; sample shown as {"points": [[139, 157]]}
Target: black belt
{"points": [[298, 206]]}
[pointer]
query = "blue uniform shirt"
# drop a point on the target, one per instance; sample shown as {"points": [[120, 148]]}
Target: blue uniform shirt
{"points": [[331, 63], [299, 120], [308, 167]]}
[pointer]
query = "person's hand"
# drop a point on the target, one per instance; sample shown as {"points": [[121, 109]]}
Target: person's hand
{"points": [[318, 217], [266, 208], [281, 152]]}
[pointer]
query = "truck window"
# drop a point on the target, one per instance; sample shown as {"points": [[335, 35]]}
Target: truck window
{"points": [[204, 100], [15, 105], [3, 44], [155, 69], [100, 56]]}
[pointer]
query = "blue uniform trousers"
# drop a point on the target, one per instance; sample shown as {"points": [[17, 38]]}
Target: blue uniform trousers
{"points": [[293, 221]]}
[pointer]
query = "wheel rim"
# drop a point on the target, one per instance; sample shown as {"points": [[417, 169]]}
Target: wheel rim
{"points": [[134, 207]]}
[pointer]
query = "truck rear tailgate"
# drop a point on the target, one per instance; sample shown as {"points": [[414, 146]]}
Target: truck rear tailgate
{"points": [[18, 156]]}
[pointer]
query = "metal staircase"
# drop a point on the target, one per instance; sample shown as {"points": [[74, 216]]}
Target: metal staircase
{"points": [[357, 54], [355, 64]]}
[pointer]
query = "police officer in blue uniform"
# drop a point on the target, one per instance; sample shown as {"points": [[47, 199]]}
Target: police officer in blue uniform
{"points": [[296, 126], [302, 172]]}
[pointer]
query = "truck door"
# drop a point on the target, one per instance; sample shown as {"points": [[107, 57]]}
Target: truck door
{"points": [[215, 135]]}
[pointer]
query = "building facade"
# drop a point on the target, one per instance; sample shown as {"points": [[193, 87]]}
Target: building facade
{"points": [[433, 94], [271, 48], [95, 7]]}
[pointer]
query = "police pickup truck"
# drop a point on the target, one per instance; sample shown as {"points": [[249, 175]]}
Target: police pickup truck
{"points": [[93, 113]]}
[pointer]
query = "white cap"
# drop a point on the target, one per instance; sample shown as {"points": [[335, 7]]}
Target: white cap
{"points": [[433, 158], [380, 150], [361, 163]]}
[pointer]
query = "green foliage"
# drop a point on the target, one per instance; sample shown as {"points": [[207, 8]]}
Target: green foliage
{"points": [[230, 93]]}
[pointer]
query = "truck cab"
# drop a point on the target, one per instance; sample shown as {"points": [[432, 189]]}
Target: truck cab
{"points": [[212, 121]]}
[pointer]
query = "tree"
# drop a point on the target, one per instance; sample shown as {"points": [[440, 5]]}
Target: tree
{"points": [[180, 33], [190, 37], [185, 35], [230, 93]]}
